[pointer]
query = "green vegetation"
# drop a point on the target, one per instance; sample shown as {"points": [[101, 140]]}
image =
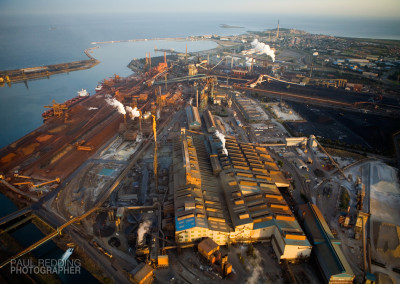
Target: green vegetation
{"points": [[344, 199], [280, 163]]}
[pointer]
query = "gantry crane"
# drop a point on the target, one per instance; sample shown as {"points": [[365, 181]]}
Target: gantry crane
{"points": [[31, 184], [28, 177], [57, 108]]}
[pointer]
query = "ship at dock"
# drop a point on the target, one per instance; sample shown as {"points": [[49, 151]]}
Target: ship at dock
{"points": [[57, 109]]}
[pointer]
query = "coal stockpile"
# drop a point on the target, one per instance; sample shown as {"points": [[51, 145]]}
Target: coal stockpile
{"points": [[359, 131]]}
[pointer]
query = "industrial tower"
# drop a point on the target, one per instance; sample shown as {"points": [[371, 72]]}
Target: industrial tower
{"points": [[155, 161], [277, 31]]}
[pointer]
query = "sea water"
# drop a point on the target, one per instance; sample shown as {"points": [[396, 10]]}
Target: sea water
{"points": [[41, 40]]}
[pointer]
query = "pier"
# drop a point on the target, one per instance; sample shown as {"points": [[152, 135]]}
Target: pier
{"points": [[15, 215], [31, 73]]}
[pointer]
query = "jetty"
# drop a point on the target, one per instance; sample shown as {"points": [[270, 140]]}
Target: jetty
{"points": [[31, 73]]}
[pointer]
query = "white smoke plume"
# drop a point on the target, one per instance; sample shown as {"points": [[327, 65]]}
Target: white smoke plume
{"points": [[221, 137], [254, 265], [249, 61], [93, 108], [146, 115], [116, 104], [263, 48], [143, 229], [133, 112]]}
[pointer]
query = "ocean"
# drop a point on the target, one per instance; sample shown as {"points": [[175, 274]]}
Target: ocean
{"points": [[33, 40]]}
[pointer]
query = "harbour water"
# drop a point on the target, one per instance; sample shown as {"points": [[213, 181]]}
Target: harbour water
{"points": [[41, 40]]}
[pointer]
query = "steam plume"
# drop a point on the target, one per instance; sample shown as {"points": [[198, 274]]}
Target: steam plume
{"points": [[263, 48], [221, 137], [143, 229], [249, 61], [256, 268], [116, 104], [133, 112], [146, 115]]}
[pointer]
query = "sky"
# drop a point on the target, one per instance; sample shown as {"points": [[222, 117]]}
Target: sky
{"points": [[346, 8]]}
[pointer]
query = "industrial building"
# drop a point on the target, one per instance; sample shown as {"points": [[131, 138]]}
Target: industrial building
{"points": [[209, 120], [326, 248], [240, 204], [295, 141], [300, 164], [193, 118], [142, 274], [250, 110]]}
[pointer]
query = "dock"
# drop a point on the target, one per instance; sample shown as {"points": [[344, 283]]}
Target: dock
{"points": [[31, 73]]}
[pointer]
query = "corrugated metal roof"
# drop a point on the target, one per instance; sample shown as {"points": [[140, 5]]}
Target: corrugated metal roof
{"points": [[330, 257]]}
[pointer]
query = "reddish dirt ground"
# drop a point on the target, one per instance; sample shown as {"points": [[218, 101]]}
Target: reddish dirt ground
{"points": [[49, 151]]}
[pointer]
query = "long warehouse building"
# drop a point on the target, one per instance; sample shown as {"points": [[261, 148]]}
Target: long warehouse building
{"points": [[239, 202]]}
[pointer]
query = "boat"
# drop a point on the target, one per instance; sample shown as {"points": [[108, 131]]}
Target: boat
{"points": [[99, 87], [67, 254], [82, 94]]}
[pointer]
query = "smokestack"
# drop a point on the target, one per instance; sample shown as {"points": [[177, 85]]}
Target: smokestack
{"points": [[149, 59], [277, 31], [125, 118]]}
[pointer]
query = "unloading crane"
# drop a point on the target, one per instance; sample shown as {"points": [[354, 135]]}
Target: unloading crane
{"points": [[28, 177], [57, 180], [57, 108], [31, 184]]}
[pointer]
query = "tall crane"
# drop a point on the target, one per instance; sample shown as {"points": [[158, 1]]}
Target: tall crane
{"points": [[155, 162], [332, 161], [57, 108]]}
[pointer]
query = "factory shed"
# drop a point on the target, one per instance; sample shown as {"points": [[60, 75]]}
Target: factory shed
{"points": [[210, 122], [326, 249], [295, 141], [193, 118], [207, 247], [300, 164], [142, 274]]}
